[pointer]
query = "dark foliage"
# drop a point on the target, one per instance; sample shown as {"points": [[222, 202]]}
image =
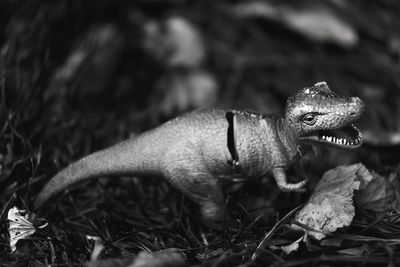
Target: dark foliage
{"points": [[50, 117]]}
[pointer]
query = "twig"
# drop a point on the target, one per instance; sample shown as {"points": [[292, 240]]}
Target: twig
{"points": [[268, 236]]}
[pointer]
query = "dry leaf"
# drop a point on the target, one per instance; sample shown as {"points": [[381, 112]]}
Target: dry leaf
{"points": [[331, 205], [293, 246], [176, 42], [381, 194], [321, 24], [314, 22]]}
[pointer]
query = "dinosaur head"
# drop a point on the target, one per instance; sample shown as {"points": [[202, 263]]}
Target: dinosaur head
{"points": [[317, 115]]}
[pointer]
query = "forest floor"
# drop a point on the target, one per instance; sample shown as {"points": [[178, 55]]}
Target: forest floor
{"points": [[79, 76]]}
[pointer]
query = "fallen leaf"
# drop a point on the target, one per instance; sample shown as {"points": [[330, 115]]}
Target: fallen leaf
{"points": [[315, 22], [381, 194], [331, 205], [293, 246], [176, 42], [321, 24]]}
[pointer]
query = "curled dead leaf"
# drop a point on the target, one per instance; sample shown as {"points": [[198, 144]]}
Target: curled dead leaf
{"points": [[381, 194], [331, 205], [292, 246]]}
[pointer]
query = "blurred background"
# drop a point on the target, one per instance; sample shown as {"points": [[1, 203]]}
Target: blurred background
{"points": [[133, 64], [77, 76]]}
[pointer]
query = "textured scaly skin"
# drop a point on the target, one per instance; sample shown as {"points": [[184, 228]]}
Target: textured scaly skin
{"points": [[191, 151]]}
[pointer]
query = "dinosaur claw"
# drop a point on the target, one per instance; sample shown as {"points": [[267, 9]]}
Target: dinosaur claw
{"points": [[296, 187]]}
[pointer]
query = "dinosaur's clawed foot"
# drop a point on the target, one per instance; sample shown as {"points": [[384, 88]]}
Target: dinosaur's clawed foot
{"points": [[295, 187]]}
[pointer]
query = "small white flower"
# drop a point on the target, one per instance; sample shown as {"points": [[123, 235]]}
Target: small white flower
{"points": [[98, 247], [20, 226]]}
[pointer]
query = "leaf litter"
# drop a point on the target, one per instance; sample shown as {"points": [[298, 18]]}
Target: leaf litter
{"points": [[334, 200]]}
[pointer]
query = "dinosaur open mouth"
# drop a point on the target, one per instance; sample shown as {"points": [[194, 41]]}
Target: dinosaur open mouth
{"points": [[346, 137]]}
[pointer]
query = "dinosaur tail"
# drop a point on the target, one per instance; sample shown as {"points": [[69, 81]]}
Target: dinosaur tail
{"points": [[127, 157]]}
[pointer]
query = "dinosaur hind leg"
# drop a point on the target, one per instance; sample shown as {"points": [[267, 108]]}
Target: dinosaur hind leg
{"points": [[202, 188]]}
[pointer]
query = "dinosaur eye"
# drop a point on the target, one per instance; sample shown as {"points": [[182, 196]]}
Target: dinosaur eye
{"points": [[309, 118]]}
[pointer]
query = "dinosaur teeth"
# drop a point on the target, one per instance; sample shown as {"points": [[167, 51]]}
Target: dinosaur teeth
{"points": [[340, 141], [346, 136]]}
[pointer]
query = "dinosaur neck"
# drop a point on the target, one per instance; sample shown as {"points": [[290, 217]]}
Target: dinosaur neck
{"points": [[288, 137]]}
